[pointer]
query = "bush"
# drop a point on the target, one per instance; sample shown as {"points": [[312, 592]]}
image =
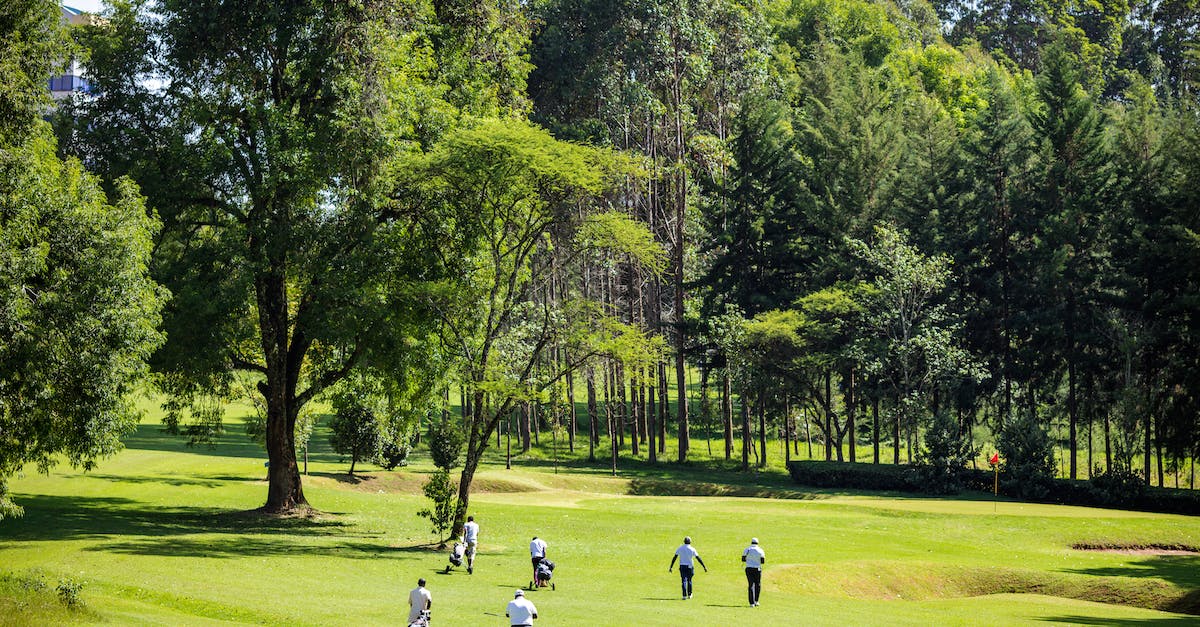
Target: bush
{"points": [[68, 592], [855, 476], [445, 444], [393, 449], [354, 431], [1118, 485], [942, 463], [1027, 453]]}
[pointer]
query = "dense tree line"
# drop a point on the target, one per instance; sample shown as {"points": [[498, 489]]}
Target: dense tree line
{"points": [[908, 210], [858, 223]]}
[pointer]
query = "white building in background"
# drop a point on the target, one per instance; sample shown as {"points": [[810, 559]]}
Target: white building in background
{"points": [[72, 79]]}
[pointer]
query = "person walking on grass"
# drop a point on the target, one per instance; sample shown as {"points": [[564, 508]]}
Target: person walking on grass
{"points": [[471, 537], [419, 600], [685, 554], [537, 553], [520, 611], [754, 558]]}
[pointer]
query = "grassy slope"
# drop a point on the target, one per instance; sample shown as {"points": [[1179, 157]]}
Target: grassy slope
{"points": [[158, 536]]}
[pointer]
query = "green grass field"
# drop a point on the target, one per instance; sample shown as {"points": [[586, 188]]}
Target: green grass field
{"points": [[160, 534]]}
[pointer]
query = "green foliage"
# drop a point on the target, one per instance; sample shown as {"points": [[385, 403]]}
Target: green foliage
{"points": [[445, 444], [68, 592], [1027, 457], [78, 311], [1119, 484], [943, 460], [395, 444], [354, 431], [33, 46], [441, 491]]}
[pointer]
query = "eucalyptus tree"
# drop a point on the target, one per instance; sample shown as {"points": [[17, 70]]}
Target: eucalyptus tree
{"points": [[519, 206], [79, 313], [266, 136]]}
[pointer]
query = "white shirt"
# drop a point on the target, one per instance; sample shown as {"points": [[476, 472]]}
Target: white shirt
{"points": [[686, 553], [537, 548], [471, 532], [419, 599], [520, 611], [754, 556]]}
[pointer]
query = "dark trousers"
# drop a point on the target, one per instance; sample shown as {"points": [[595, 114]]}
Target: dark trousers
{"points": [[754, 581], [685, 579]]}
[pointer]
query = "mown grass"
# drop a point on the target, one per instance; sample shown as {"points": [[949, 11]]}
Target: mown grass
{"points": [[163, 534]]}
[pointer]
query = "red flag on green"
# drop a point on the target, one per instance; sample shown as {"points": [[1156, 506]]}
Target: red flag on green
{"points": [[994, 459]]}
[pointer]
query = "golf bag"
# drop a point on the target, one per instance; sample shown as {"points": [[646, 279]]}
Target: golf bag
{"points": [[545, 570], [457, 553], [422, 621]]}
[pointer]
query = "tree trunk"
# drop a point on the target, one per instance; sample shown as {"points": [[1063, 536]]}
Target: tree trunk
{"points": [[762, 429], [727, 413], [875, 428], [572, 415], [745, 433], [284, 490], [592, 413], [665, 407], [851, 405], [651, 424], [896, 416]]}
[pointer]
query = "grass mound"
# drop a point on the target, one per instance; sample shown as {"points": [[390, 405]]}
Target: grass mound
{"points": [[915, 581]]}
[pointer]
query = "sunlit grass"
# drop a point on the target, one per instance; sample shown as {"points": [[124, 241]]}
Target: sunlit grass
{"points": [[161, 534]]}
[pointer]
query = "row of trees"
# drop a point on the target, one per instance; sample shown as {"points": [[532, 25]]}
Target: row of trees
{"points": [[909, 211]]}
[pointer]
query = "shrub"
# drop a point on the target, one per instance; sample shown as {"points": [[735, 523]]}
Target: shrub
{"points": [[1118, 485], [1027, 454], [942, 463], [855, 476], [394, 447], [68, 592], [354, 431], [445, 444]]}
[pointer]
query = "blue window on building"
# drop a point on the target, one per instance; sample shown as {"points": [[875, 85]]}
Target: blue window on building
{"points": [[68, 82]]}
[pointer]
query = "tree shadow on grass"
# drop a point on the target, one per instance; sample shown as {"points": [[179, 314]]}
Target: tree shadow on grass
{"points": [[1181, 570], [657, 487], [1120, 622], [210, 481], [232, 443], [121, 525]]}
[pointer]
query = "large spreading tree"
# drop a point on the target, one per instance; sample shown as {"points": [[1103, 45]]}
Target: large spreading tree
{"points": [[265, 135]]}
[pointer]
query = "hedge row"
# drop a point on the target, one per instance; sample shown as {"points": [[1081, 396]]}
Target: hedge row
{"points": [[906, 478]]}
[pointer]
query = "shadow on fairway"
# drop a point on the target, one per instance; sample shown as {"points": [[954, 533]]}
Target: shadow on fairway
{"points": [[655, 487], [233, 443], [1119, 622], [1181, 570], [210, 481], [121, 525]]}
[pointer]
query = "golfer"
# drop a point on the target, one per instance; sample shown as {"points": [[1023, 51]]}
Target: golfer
{"points": [[419, 600], [685, 554], [754, 558], [471, 537], [537, 553], [520, 611]]}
